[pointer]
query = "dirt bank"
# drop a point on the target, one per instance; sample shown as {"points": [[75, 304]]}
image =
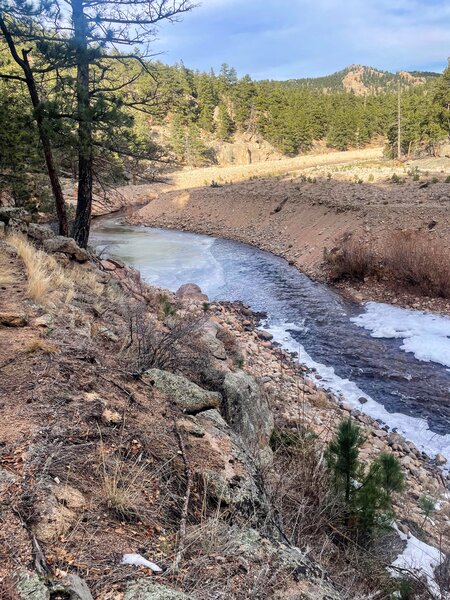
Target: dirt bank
{"points": [[298, 219]]}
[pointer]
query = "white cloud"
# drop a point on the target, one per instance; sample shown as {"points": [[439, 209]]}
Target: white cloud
{"points": [[294, 38]]}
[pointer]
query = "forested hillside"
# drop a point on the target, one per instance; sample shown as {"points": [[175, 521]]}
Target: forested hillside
{"points": [[167, 113], [363, 80]]}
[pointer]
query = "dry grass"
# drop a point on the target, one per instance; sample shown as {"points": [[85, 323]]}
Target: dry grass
{"points": [[125, 484], [45, 275], [353, 260], [85, 279], [39, 345], [6, 274], [415, 260]]}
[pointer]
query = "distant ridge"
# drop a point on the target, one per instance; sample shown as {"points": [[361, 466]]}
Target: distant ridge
{"points": [[362, 80]]}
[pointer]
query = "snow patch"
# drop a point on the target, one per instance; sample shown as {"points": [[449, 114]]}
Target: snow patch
{"points": [[420, 558], [426, 335]]}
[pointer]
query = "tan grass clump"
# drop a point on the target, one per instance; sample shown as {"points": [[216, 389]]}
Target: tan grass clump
{"points": [[42, 346], [44, 274], [123, 482]]}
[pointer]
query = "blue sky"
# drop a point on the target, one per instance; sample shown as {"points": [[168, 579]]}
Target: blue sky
{"points": [[281, 39]]}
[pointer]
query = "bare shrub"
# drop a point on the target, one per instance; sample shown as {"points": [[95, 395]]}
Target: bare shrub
{"points": [[151, 345], [124, 483], [352, 260], [302, 494], [417, 261]]}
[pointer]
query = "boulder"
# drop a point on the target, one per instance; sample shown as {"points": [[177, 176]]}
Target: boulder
{"points": [[191, 292], [13, 319], [40, 232], [248, 413], [57, 512], [228, 472], [31, 587], [71, 587], [12, 213], [440, 460], [290, 563], [190, 397], [145, 589], [66, 246]]}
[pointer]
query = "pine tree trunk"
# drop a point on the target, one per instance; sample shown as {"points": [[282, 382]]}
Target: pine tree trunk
{"points": [[46, 145], [43, 134], [82, 223]]}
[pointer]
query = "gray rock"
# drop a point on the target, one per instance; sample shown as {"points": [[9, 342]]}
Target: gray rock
{"points": [[8, 213], [214, 346], [74, 587], [145, 589], [66, 246], [290, 562], [265, 335], [40, 232], [31, 587], [187, 395], [247, 411], [233, 484]]}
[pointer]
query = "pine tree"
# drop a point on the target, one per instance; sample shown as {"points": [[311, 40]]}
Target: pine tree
{"points": [[342, 456], [225, 125]]}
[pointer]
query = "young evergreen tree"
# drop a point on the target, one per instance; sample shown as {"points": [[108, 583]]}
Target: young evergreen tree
{"points": [[367, 493], [342, 456]]}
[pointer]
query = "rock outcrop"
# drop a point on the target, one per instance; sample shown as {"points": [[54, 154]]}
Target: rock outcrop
{"points": [[143, 589], [188, 396], [247, 411], [67, 246]]}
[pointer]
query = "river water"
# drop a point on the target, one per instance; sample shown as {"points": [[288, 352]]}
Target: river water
{"points": [[332, 335]]}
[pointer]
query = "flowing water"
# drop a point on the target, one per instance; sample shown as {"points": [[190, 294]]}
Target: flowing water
{"points": [[410, 395]]}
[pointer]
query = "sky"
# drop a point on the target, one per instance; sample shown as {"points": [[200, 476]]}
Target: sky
{"points": [[282, 39]]}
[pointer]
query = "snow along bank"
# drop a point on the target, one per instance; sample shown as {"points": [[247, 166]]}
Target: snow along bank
{"points": [[426, 335], [411, 428], [420, 558]]}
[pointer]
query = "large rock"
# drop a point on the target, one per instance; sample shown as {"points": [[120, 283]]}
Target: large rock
{"points": [[58, 511], [187, 395], [40, 232], [289, 562], [224, 465], [66, 246], [191, 292], [72, 587], [13, 319], [145, 589], [12, 213], [247, 411], [31, 587]]}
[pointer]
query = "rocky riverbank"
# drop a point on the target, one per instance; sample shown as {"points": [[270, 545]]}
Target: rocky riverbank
{"points": [[138, 456], [301, 218]]}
